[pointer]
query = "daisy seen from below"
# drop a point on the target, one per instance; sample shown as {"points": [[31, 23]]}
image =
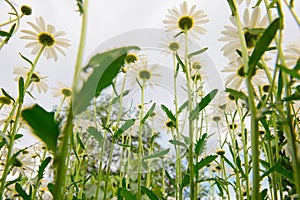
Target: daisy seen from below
{"points": [[62, 90], [253, 28], [144, 73], [236, 75], [186, 20], [171, 45], [37, 81], [133, 58], [292, 54], [45, 36]]}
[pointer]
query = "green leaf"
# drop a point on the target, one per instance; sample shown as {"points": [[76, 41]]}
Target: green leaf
{"points": [[297, 66], [125, 93], [7, 95], [26, 59], [149, 193], [172, 181], [236, 94], [169, 113], [150, 111], [21, 89], [232, 7], [183, 106], [199, 147], [4, 34], [262, 45], [21, 192], [203, 103], [43, 167], [178, 143], [43, 125], [123, 192], [125, 126], [95, 133], [292, 97], [80, 141], [185, 181], [105, 67], [180, 63], [279, 169], [292, 72], [197, 52], [204, 162], [155, 155], [280, 85]]}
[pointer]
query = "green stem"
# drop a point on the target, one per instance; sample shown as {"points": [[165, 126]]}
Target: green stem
{"points": [[254, 121], [294, 14], [59, 107], [108, 167], [140, 146], [191, 123], [18, 105], [63, 152]]}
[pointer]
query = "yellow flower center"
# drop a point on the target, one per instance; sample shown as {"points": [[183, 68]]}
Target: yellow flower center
{"points": [[196, 65], [170, 124], [185, 23], [35, 78], [241, 72], [251, 38], [145, 75], [232, 126], [66, 92], [5, 100], [131, 58], [46, 39], [174, 46]]}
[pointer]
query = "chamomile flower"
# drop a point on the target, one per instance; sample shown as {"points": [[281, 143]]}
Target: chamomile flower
{"points": [[62, 90], [24, 164], [171, 45], [236, 76], [37, 81], [45, 35], [251, 27], [292, 54], [133, 58], [144, 73], [186, 20]]}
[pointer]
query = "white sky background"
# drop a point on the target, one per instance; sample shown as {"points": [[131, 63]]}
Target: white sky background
{"points": [[107, 19]]}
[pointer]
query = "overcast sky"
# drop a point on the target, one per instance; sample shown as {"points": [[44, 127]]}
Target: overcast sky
{"points": [[108, 18]]}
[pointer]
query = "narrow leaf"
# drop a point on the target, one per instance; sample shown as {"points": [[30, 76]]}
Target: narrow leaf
{"points": [[204, 162], [199, 147], [155, 155], [182, 107], [203, 103], [95, 133], [263, 43], [21, 192], [178, 143], [43, 125], [123, 192], [150, 111], [180, 62], [197, 52], [172, 181], [292, 72], [42, 167], [21, 89], [26, 59], [236, 94], [169, 113], [125, 126], [7, 95], [149, 193], [185, 181]]}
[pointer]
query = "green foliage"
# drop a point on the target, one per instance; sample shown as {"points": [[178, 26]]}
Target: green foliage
{"points": [[43, 125], [105, 67]]}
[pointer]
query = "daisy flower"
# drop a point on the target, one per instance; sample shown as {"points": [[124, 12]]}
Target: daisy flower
{"points": [[37, 81], [292, 54], [251, 27], [171, 45], [62, 90], [144, 73], [185, 20], [24, 164], [133, 58], [45, 35], [236, 78]]}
